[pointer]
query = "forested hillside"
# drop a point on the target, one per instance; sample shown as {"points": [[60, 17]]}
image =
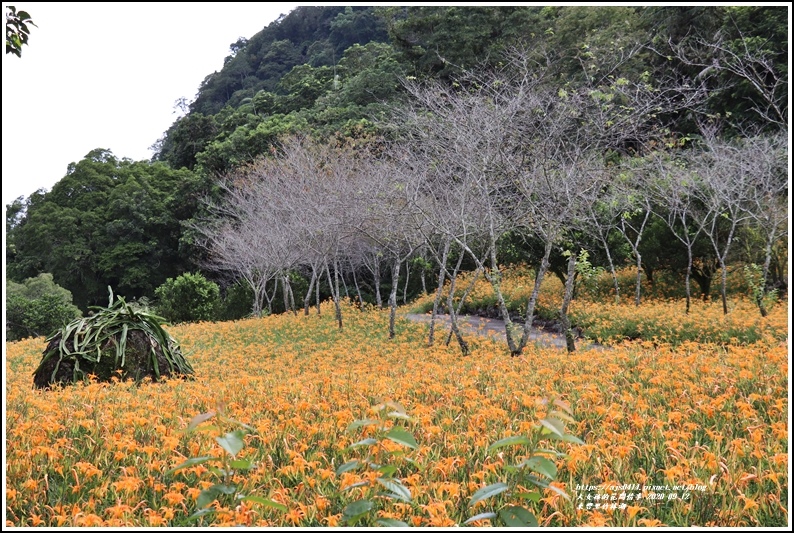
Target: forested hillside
{"points": [[377, 124]]}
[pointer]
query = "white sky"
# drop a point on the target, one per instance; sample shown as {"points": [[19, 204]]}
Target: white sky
{"points": [[107, 75]]}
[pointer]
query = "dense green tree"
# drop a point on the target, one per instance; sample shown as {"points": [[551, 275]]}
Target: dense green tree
{"points": [[107, 222], [186, 138], [36, 307]]}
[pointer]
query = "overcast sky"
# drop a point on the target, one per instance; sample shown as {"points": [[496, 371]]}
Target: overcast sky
{"points": [[107, 75]]}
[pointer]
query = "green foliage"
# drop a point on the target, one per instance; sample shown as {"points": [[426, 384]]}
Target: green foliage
{"points": [[106, 222], [188, 298], [536, 470], [309, 35], [36, 307], [17, 31], [588, 274], [225, 489], [117, 340], [236, 302], [387, 485], [760, 294]]}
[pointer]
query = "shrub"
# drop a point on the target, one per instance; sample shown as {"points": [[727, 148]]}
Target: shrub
{"points": [[188, 298], [37, 307]]}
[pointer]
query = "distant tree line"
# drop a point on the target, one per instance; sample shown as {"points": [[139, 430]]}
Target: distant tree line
{"points": [[334, 147]]}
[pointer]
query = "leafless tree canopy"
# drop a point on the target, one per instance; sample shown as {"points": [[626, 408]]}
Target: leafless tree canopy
{"points": [[493, 155]]}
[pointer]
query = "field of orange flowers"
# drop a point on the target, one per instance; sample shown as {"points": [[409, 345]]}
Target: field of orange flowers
{"points": [[684, 434]]}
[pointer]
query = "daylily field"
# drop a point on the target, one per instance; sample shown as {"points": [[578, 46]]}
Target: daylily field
{"points": [[676, 431]]}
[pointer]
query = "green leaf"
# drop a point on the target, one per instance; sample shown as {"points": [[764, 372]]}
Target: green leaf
{"points": [[201, 512], [348, 466], [241, 464], [561, 416], [559, 491], [391, 522], [553, 425], [356, 510], [555, 453], [487, 492], [206, 497], [518, 517], [534, 496], [400, 436], [357, 484], [566, 438], [387, 470], [224, 489], [365, 442], [510, 441], [191, 462], [481, 516], [540, 465], [265, 502], [355, 424], [397, 488], [397, 414], [232, 442]]}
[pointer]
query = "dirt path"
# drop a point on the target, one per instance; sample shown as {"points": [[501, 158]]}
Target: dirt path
{"points": [[493, 327]]}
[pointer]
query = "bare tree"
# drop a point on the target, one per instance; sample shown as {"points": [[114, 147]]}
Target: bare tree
{"points": [[668, 187], [723, 181], [766, 163], [743, 59]]}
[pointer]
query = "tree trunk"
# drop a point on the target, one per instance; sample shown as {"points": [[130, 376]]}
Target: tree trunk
{"points": [[495, 278], [441, 275], [285, 292], [395, 278], [687, 278], [724, 286], [307, 299], [638, 287], [358, 290], [533, 300], [453, 316], [334, 284], [566, 301], [463, 298], [291, 298], [405, 287], [376, 274], [270, 297], [317, 292]]}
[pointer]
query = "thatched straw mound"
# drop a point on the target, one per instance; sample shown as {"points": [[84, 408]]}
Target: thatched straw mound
{"points": [[115, 341]]}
